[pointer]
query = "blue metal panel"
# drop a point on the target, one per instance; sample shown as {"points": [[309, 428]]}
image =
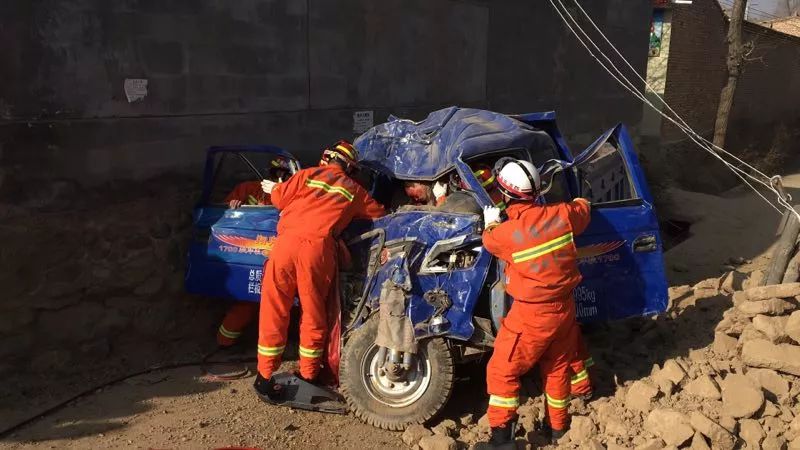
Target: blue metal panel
{"points": [[428, 149]]}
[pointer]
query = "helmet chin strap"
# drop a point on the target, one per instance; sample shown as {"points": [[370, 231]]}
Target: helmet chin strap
{"points": [[534, 189]]}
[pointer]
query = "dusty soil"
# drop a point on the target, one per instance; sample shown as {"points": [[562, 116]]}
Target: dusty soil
{"points": [[180, 409]]}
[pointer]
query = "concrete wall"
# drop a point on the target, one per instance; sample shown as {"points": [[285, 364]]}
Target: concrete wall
{"points": [[765, 105], [95, 191]]}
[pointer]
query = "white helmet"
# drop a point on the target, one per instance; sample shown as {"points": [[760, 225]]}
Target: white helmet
{"points": [[519, 180]]}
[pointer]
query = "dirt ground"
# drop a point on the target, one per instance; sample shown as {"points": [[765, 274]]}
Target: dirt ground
{"points": [[179, 409]]}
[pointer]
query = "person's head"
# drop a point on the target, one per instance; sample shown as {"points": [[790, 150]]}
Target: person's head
{"points": [[279, 170], [519, 180], [342, 154], [419, 191]]}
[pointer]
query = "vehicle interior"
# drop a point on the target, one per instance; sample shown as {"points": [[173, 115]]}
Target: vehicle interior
{"points": [[234, 167]]}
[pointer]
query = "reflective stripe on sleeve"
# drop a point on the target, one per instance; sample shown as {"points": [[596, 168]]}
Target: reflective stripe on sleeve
{"points": [[588, 362], [503, 402], [229, 334], [270, 351], [316, 184], [556, 403], [502, 205], [542, 249], [251, 200], [310, 352]]}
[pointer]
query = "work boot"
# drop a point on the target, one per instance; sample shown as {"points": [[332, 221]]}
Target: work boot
{"points": [[268, 388], [553, 435], [502, 438]]}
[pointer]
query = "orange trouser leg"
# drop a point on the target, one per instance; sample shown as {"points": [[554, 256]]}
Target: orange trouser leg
{"points": [[316, 267], [239, 316], [527, 333], [278, 289], [580, 379], [555, 372]]}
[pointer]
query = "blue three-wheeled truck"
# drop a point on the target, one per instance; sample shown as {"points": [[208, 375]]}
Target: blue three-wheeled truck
{"points": [[422, 294]]}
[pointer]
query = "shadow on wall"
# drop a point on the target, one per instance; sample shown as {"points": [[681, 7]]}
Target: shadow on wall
{"points": [[93, 285]]}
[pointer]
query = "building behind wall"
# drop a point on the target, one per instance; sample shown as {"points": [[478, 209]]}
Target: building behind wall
{"points": [[690, 71]]}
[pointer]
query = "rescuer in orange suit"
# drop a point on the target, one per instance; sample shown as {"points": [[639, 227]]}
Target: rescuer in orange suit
{"points": [[536, 242], [241, 314], [316, 204]]}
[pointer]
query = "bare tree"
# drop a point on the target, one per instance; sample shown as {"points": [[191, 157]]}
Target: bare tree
{"points": [[737, 52], [788, 7]]}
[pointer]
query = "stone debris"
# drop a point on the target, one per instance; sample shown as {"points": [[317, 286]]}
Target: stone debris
{"points": [[446, 427], [740, 390], [640, 395], [751, 433], [741, 397], [414, 434], [699, 442], [670, 425], [781, 357], [792, 327], [704, 387], [769, 307], [671, 371], [719, 436], [437, 442], [774, 328], [785, 290], [652, 444], [770, 381], [581, 429]]}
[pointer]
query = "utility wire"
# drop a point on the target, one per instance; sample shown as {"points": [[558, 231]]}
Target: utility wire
{"points": [[626, 83]]}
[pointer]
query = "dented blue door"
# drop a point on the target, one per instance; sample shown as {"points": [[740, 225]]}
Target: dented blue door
{"points": [[229, 246], [621, 256]]}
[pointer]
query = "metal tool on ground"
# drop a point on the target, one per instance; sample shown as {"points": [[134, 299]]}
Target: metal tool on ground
{"points": [[294, 392]]}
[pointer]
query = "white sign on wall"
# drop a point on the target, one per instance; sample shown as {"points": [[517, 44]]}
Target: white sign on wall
{"points": [[362, 121], [135, 89]]}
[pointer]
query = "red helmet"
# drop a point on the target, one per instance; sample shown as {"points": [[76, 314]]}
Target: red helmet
{"points": [[279, 168], [342, 151], [482, 172]]}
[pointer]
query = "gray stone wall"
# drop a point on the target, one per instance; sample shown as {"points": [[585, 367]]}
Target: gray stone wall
{"points": [[95, 192]]}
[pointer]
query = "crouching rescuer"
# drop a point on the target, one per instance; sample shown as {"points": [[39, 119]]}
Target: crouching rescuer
{"points": [[536, 242], [316, 204]]}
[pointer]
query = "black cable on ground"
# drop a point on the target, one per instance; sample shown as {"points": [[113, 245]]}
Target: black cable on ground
{"points": [[202, 363]]}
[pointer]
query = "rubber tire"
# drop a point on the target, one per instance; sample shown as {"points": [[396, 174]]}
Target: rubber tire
{"points": [[377, 414]]}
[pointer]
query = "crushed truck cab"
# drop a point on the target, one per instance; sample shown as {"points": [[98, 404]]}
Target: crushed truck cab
{"points": [[421, 293]]}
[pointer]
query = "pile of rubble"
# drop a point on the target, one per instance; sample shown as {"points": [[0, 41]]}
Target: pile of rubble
{"points": [[740, 390]]}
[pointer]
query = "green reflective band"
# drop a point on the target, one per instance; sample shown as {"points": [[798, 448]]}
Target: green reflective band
{"points": [[270, 351], [251, 200], [228, 334], [542, 249], [578, 377], [309, 352], [556, 403], [503, 402], [588, 362], [502, 205], [316, 184]]}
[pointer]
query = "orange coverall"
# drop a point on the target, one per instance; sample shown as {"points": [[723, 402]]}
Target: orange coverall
{"points": [[241, 314], [580, 380], [316, 205], [249, 193], [541, 272]]}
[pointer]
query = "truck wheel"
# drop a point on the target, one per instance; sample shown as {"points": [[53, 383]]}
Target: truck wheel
{"points": [[380, 402]]}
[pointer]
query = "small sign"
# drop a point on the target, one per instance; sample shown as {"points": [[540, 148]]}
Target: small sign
{"points": [[362, 121], [135, 89]]}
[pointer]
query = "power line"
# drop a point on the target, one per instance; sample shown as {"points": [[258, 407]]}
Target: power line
{"points": [[626, 83]]}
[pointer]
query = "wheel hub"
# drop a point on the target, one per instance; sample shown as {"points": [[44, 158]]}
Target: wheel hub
{"points": [[390, 383]]}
